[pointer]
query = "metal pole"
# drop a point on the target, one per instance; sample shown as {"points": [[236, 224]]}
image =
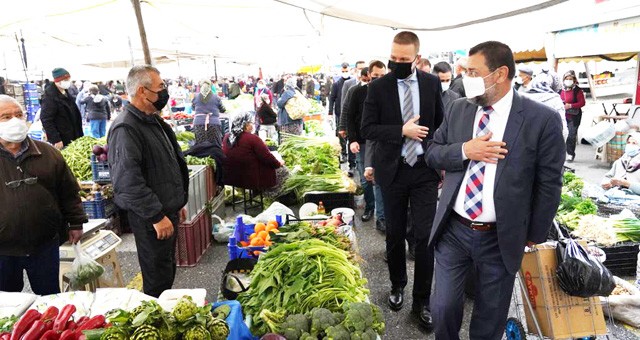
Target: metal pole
{"points": [[215, 69], [133, 61], [143, 33], [592, 85]]}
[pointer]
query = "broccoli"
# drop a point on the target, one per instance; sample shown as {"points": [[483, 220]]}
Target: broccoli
{"points": [[358, 316], [321, 319], [294, 326], [378, 319], [337, 332], [307, 336], [369, 334]]}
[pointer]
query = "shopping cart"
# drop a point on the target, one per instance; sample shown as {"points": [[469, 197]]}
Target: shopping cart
{"points": [[547, 312]]}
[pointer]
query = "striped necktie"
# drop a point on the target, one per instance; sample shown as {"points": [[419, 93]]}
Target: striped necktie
{"points": [[411, 145], [473, 190]]}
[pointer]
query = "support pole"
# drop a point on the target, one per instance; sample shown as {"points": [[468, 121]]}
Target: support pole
{"points": [[143, 33]]}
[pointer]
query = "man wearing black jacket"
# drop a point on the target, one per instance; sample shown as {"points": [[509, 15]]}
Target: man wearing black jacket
{"points": [[401, 111], [150, 177]]}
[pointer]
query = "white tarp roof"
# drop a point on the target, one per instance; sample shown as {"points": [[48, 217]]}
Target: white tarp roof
{"points": [[277, 35]]}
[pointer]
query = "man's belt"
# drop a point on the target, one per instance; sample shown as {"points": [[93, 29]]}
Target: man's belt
{"points": [[479, 226]]}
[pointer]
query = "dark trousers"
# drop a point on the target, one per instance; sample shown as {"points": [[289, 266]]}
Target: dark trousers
{"points": [[457, 251], [43, 270], [573, 122], [367, 187], [414, 185], [156, 257]]}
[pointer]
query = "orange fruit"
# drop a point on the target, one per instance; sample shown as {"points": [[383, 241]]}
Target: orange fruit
{"points": [[275, 231], [268, 243], [273, 223], [259, 227], [252, 236], [244, 243], [271, 227], [263, 235], [255, 241]]}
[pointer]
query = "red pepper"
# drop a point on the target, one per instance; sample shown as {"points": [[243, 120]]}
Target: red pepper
{"points": [[93, 323], [63, 317], [82, 320], [68, 335], [71, 325], [36, 331], [50, 314], [51, 335], [5, 336], [25, 323]]}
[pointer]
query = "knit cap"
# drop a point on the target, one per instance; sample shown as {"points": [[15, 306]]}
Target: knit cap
{"points": [[59, 74]]}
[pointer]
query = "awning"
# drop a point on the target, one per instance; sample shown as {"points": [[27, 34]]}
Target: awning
{"points": [[529, 56]]}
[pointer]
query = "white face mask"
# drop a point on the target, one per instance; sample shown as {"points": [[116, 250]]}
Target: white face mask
{"points": [[345, 75], [632, 149], [518, 80], [568, 83], [474, 86], [445, 85], [14, 130], [65, 84]]}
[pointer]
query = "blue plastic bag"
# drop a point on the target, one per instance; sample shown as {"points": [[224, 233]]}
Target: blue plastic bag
{"points": [[238, 330]]}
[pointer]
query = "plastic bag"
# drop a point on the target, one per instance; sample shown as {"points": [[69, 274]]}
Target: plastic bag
{"points": [[276, 208], [599, 134], [579, 274], [625, 308], [83, 269], [221, 231]]}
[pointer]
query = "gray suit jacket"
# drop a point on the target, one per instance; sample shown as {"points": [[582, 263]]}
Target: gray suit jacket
{"points": [[528, 181], [347, 90]]}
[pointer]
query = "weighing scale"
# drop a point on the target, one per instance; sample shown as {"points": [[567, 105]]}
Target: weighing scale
{"points": [[94, 241]]}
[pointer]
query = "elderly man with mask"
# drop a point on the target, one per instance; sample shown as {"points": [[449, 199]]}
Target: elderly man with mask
{"points": [[33, 174], [150, 177], [206, 122], [60, 116], [523, 81]]}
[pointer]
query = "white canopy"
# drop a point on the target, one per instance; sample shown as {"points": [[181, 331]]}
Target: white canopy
{"points": [[100, 38]]}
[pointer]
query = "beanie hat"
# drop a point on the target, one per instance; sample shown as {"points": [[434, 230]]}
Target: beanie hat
{"points": [[59, 74]]}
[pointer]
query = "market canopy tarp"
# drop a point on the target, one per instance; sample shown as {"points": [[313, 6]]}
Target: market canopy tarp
{"points": [[279, 35]]}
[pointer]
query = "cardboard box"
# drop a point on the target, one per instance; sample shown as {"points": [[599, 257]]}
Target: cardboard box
{"points": [[559, 315]]}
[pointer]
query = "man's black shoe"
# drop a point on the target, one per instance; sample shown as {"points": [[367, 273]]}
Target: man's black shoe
{"points": [[367, 216], [381, 226], [423, 314], [396, 299]]}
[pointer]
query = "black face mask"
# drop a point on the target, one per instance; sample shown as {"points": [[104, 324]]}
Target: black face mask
{"points": [[163, 99], [401, 70]]}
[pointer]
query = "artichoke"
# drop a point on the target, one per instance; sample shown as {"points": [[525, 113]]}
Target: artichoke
{"points": [[114, 333], [221, 312], [185, 309], [168, 333], [196, 332], [218, 328], [146, 332]]}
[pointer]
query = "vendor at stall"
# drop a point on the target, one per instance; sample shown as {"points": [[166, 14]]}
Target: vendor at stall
{"points": [[624, 172], [249, 164], [206, 122], [40, 200]]}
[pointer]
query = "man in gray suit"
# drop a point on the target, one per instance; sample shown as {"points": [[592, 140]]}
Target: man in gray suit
{"points": [[503, 155]]}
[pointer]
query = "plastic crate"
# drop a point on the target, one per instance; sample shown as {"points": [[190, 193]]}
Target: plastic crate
{"points": [[331, 200], [241, 233], [100, 208], [211, 183], [193, 240], [622, 258], [197, 191], [100, 171]]}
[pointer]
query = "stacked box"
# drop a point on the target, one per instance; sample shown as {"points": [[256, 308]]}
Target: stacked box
{"points": [[193, 240]]}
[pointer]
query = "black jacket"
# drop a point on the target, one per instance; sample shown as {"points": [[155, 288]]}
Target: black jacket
{"points": [[335, 99], [382, 121], [150, 177], [32, 215], [60, 116], [457, 86], [354, 114], [99, 110]]}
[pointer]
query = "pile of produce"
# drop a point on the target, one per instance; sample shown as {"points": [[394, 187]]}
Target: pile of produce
{"points": [[326, 232], [312, 155], [187, 321], [301, 184], [608, 231], [52, 324], [78, 156], [88, 192], [185, 136], [356, 321], [242, 103], [270, 143], [297, 277], [316, 108], [314, 128], [192, 160], [101, 152], [572, 206]]}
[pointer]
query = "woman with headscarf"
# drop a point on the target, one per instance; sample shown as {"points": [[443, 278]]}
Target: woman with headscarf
{"points": [[206, 121], [286, 124], [624, 172], [249, 164], [573, 99], [540, 90]]}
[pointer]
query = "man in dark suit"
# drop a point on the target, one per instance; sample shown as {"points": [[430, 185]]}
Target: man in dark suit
{"points": [[399, 111], [503, 155]]}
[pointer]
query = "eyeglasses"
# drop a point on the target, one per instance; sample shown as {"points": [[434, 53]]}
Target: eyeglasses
{"points": [[17, 183]]}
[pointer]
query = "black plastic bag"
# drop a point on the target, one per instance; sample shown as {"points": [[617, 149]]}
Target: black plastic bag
{"points": [[579, 274]]}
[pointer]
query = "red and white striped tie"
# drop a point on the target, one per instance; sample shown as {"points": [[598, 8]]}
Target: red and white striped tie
{"points": [[473, 190]]}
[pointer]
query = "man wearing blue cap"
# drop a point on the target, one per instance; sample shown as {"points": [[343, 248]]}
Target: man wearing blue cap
{"points": [[60, 116]]}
